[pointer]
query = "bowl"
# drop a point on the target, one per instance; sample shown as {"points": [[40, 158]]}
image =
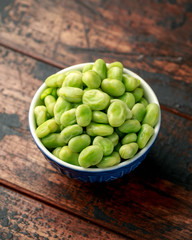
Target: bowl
{"points": [[95, 174]]}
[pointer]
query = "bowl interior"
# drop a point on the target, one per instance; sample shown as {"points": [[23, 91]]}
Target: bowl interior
{"points": [[148, 94]]}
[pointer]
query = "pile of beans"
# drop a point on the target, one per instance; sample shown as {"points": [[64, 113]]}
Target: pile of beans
{"points": [[96, 117]]}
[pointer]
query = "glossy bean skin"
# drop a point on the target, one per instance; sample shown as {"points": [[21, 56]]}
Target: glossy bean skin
{"points": [[130, 137], [99, 117], [138, 94], [48, 91], [109, 161], [55, 80], [114, 138], [130, 126], [138, 111], [87, 67], [99, 129], [90, 156], [73, 79], [46, 128], [78, 143], [96, 99], [128, 113], [105, 143], [115, 73], [60, 107], [130, 82], [128, 151], [68, 156], [71, 131], [129, 99], [143, 101], [83, 115], [116, 113], [99, 67], [144, 135], [56, 152], [113, 87], [53, 140], [68, 118], [115, 64], [152, 114], [71, 94], [40, 113], [91, 79], [50, 104]]}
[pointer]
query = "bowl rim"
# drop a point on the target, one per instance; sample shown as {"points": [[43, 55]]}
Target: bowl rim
{"points": [[124, 163]]}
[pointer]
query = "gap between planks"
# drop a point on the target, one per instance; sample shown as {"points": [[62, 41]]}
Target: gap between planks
{"points": [[41, 199], [58, 65]]}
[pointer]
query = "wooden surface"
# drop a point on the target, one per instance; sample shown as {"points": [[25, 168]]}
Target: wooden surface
{"points": [[152, 38]]}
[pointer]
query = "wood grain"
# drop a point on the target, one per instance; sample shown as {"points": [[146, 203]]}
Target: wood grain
{"points": [[154, 41], [25, 218], [147, 204]]}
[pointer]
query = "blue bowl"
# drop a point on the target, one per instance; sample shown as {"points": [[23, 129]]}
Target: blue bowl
{"points": [[94, 174]]}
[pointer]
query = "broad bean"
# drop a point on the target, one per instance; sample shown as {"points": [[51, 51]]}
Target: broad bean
{"points": [[53, 140], [130, 137], [143, 101], [68, 118], [109, 161], [105, 143], [115, 73], [138, 111], [99, 117], [68, 156], [130, 126], [90, 156], [61, 106], [50, 104], [73, 79], [91, 79], [87, 67], [55, 80], [130, 82], [129, 99], [48, 91], [128, 150], [138, 93], [71, 94], [71, 131], [144, 135], [83, 115], [78, 143], [46, 128], [40, 113], [115, 64], [100, 67], [152, 114], [113, 87], [114, 138], [99, 129]]}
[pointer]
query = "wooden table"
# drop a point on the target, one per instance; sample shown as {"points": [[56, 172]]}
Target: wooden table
{"points": [[152, 38]]}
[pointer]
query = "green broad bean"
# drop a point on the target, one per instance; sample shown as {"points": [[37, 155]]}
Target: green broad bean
{"points": [[115, 73], [116, 113], [152, 114], [68, 156], [83, 115], [71, 94], [90, 156], [113, 87], [143, 101], [109, 161], [138, 94], [73, 79], [114, 138], [130, 126], [138, 111], [78, 143], [56, 152], [99, 117], [115, 64], [105, 143], [129, 99], [130, 82], [68, 118], [87, 67], [48, 91], [46, 128], [61, 106], [145, 133], [128, 113], [96, 99], [71, 131], [91, 79], [129, 138], [53, 140], [40, 113], [72, 71], [50, 104], [55, 80], [100, 67], [99, 129], [128, 151]]}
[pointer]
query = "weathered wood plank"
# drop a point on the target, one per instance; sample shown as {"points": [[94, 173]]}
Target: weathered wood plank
{"points": [[24, 218], [143, 205], [155, 40]]}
